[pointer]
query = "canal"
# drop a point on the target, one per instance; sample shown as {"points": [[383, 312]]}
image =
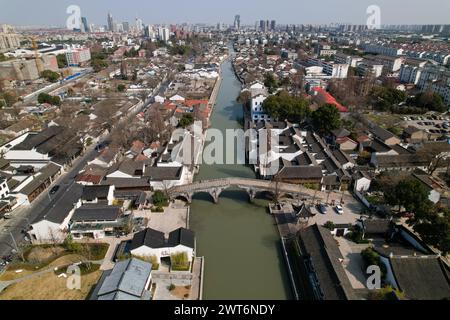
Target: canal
{"points": [[238, 239]]}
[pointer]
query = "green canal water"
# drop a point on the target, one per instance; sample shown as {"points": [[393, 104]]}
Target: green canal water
{"points": [[239, 240]]}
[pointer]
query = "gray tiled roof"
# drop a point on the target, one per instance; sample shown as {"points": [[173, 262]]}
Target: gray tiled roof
{"points": [[301, 172], [65, 204], [182, 236], [321, 248], [45, 173], [148, 237], [421, 278], [36, 140], [94, 212], [95, 192], [163, 173], [126, 281]]}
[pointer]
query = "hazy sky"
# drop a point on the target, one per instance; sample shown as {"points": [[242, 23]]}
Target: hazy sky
{"points": [[53, 12]]}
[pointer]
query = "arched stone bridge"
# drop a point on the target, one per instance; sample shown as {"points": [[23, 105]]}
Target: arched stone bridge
{"points": [[252, 186]]}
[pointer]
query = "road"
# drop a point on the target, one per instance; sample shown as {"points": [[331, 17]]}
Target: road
{"points": [[22, 217], [55, 87]]}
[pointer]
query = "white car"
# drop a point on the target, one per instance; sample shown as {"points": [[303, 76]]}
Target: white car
{"points": [[339, 209]]}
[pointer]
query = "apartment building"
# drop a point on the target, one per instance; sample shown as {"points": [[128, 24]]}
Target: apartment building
{"points": [[436, 79], [343, 58], [78, 56], [335, 70], [382, 49], [411, 70], [391, 64]]}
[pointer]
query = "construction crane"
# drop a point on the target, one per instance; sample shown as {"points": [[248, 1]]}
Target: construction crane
{"points": [[34, 45], [36, 55]]}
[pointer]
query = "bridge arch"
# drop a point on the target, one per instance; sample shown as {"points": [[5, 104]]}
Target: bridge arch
{"points": [[253, 187]]}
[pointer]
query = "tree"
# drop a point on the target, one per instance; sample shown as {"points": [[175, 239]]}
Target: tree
{"points": [[385, 98], [245, 98], [121, 88], [429, 100], [70, 245], [371, 257], [326, 118], [182, 50], [50, 75], [186, 120], [435, 230], [409, 194], [99, 64], [286, 107], [270, 82], [160, 199], [329, 225], [10, 97], [179, 260], [62, 60], [46, 98]]}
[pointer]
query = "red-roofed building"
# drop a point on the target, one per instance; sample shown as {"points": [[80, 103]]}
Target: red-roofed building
{"points": [[328, 98]]}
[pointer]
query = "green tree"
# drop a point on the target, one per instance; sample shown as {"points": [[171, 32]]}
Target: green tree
{"points": [[283, 106], [50, 75], [70, 245], [329, 225], [371, 257], [326, 118], [429, 100], [179, 261], [46, 98], [435, 230], [410, 194], [62, 60], [186, 120], [160, 199], [99, 64], [181, 50], [386, 97], [121, 88]]}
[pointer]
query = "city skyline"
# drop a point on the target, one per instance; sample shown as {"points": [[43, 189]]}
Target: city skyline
{"points": [[284, 12]]}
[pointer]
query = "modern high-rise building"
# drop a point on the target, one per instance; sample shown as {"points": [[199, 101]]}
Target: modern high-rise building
{"points": [[84, 25], [126, 26], [237, 22], [78, 56], [110, 22], [262, 25], [8, 38], [163, 34], [139, 25], [273, 25]]}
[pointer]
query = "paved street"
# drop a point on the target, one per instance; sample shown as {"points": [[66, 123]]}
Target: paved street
{"points": [[26, 215]]}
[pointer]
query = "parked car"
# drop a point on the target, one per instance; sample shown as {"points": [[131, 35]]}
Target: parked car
{"points": [[322, 208], [54, 189], [339, 209], [7, 215]]}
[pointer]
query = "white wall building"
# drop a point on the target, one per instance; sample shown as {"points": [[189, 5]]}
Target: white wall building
{"points": [[152, 243]]}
